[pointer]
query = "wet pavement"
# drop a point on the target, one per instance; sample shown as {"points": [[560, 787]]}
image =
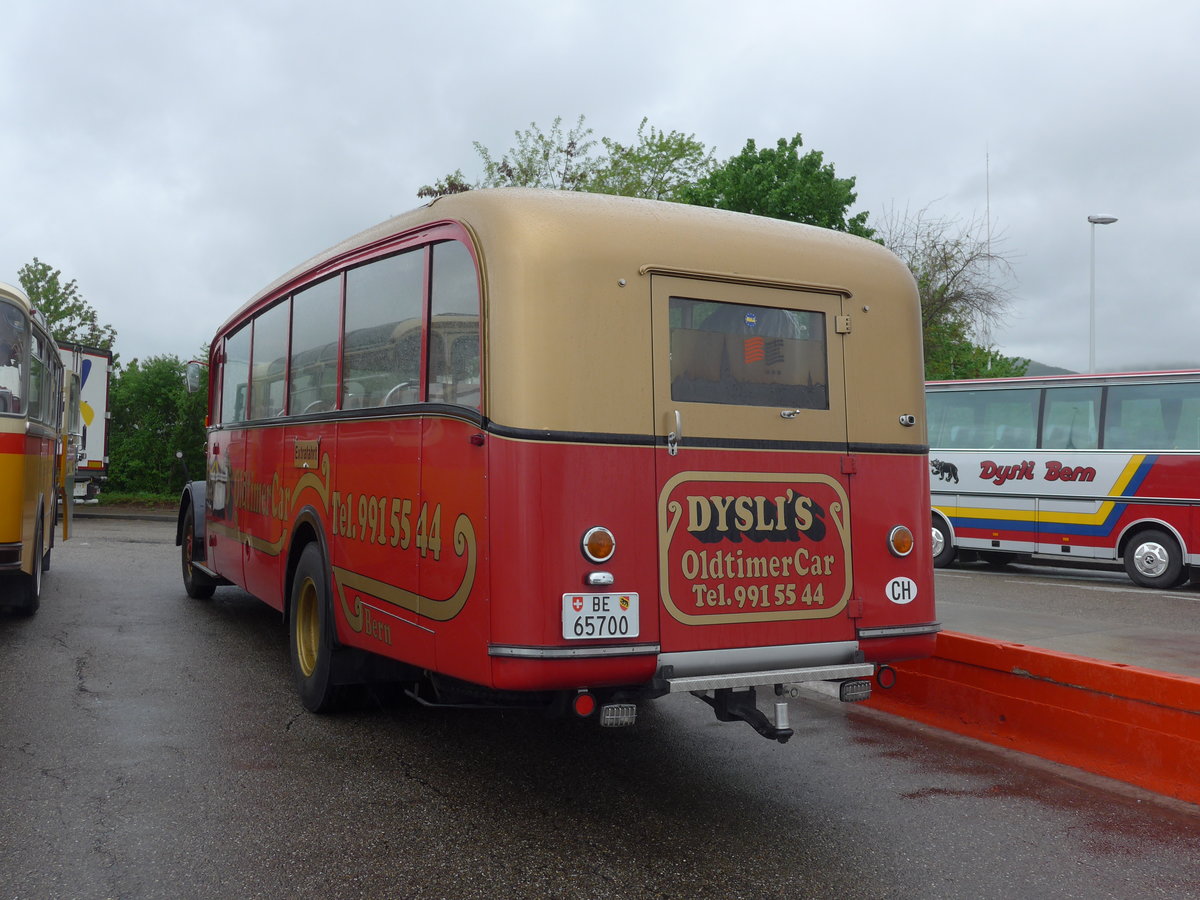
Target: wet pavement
{"points": [[1085, 612], [153, 746]]}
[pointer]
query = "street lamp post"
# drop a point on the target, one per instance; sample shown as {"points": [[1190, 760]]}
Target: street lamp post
{"points": [[1095, 220]]}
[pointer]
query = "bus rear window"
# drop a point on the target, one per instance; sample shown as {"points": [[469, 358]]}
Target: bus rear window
{"points": [[745, 355]]}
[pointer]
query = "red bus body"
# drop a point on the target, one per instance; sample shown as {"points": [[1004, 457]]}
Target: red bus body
{"points": [[753, 546]]}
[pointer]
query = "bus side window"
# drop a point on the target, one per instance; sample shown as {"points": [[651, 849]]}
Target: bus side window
{"points": [[235, 376], [382, 353], [1153, 417], [454, 356], [312, 366], [1070, 418], [37, 371], [270, 356]]}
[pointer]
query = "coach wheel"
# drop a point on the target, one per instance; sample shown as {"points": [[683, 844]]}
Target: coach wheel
{"points": [[1153, 559], [197, 585], [311, 633], [29, 587], [943, 547]]}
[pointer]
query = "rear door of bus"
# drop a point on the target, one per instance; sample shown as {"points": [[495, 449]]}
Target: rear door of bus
{"points": [[753, 506]]}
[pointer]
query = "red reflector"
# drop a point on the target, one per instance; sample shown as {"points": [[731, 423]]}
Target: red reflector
{"points": [[585, 705]]}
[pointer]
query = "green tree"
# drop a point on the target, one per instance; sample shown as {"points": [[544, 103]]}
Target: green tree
{"points": [[781, 183], [539, 159], [656, 164], [950, 353], [71, 317], [961, 273], [153, 416]]}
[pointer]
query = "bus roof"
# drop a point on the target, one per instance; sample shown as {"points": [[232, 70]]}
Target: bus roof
{"points": [[519, 221], [14, 293], [1064, 380]]}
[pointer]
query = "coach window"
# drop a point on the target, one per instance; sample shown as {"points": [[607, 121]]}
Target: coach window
{"points": [[454, 357], [747, 355], [1153, 417], [974, 420], [1070, 420], [270, 362], [312, 370], [235, 376], [381, 363]]}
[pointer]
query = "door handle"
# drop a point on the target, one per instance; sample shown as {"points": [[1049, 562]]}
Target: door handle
{"points": [[675, 436]]}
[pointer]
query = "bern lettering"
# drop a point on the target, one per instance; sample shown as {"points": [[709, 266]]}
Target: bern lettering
{"points": [[1056, 471]]}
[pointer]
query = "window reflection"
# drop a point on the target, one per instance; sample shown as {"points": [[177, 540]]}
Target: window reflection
{"points": [[312, 370], [382, 355], [747, 355]]}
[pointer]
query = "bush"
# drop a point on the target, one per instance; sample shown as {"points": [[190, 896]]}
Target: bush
{"points": [[153, 416]]}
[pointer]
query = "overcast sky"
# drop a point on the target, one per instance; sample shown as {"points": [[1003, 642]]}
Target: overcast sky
{"points": [[174, 158]]}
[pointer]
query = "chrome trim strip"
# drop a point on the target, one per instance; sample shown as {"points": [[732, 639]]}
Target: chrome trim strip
{"points": [[899, 630], [778, 676], [517, 652], [755, 659]]}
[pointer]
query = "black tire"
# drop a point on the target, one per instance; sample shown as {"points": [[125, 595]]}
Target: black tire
{"points": [[310, 634], [943, 546], [198, 585], [1153, 559], [28, 595]]}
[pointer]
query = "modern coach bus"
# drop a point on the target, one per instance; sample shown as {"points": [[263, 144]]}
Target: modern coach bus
{"points": [[31, 449], [1093, 468], [573, 451]]}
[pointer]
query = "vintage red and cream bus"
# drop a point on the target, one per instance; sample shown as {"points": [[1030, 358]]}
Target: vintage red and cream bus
{"points": [[31, 445], [1095, 468], [576, 451]]}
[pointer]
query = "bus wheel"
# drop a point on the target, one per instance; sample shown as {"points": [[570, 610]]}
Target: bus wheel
{"points": [[1153, 559], [29, 587], [310, 632], [197, 585], [943, 547]]}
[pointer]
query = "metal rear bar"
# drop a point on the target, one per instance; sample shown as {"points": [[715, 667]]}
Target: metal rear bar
{"points": [[774, 676]]}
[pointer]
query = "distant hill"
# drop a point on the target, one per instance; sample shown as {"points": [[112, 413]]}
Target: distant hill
{"points": [[1037, 368]]}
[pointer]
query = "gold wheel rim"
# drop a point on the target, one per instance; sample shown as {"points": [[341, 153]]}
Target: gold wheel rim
{"points": [[308, 628]]}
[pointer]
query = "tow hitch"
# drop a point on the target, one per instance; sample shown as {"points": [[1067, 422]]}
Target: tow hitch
{"points": [[733, 699], [741, 706]]}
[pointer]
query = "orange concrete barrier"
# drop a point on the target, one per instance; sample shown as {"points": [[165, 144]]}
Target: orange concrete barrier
{"points": [[1131, 724]]}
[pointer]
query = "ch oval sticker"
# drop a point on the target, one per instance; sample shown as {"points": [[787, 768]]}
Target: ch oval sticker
{"points": [[901, 590]]}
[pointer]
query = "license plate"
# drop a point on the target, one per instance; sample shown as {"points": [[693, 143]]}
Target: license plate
{"points": [[598, 616]]}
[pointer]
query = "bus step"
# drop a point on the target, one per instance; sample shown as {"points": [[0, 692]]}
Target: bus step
{"points": [[851, 690], [617, 715], [855, 690]]}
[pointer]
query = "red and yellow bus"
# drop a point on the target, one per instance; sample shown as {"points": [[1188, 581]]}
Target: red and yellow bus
{"points": [[575, 451], [31, 449], [1092, 468]]}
